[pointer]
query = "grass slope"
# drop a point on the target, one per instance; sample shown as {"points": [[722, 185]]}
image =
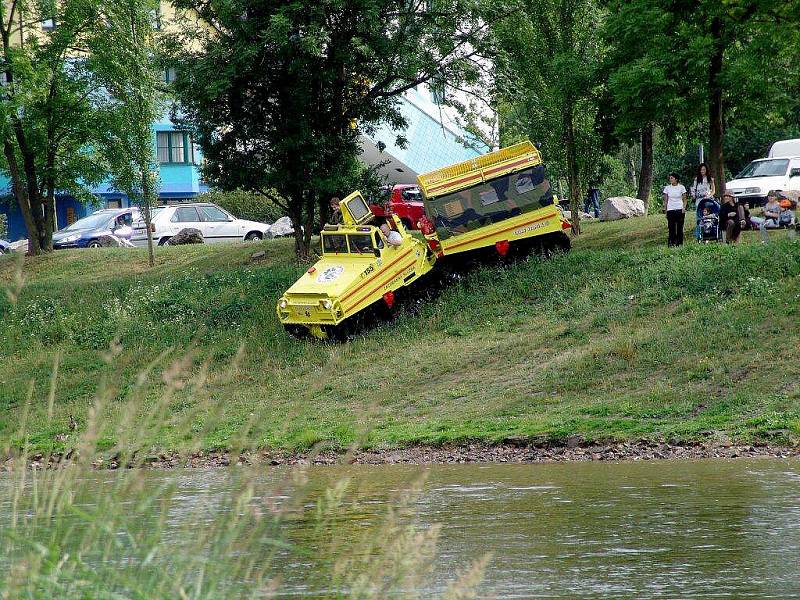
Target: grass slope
{"points": [[622, 338]]}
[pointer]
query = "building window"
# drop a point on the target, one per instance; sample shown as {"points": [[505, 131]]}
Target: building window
{"points": [[70, 215], [49, 24], [114, 203], [169, 75], [175, 147]]}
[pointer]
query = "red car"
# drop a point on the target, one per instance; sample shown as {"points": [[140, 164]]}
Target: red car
{"points": [[405, 201]]}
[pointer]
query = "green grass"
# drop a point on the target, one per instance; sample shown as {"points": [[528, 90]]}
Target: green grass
{"points": [[621, 339]]}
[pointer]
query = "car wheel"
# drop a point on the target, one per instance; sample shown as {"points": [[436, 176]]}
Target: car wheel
{"points": [[253, 236], [164, 241], [94, 244]]}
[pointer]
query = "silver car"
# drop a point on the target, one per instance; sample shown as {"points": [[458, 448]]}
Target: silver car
{"points": [[216, 224]]}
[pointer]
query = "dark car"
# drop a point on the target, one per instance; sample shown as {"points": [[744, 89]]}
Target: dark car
{"points": [[92, 231]]}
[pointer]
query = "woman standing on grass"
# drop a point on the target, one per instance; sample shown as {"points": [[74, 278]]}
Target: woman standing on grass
{"points": [[703, 185], [675, 207]]}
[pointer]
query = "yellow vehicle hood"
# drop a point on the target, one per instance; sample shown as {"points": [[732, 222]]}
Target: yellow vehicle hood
{"points": [[332, 276]]}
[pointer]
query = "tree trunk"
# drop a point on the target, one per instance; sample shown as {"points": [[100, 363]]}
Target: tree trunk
{"points": [[20, 193], [309, 222], [296, 214], [147, 214], [572, 168], [646, 175], [716, 126]]}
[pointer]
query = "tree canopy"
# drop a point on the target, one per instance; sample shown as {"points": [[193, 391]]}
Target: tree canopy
{"points": [[280, 93]]}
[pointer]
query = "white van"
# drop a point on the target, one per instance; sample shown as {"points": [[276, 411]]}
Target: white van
{"points": [[765, 174], [784, 148]]}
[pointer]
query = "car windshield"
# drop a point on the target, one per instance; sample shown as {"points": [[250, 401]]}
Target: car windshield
{"points": [[334, 243], [411, 195], [361, 244], [95, 221], [764, 168]]}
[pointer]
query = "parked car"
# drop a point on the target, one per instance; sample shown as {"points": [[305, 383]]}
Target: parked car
{"points": [[5, 247], [760, 176], [216, 224], [90, 231]]}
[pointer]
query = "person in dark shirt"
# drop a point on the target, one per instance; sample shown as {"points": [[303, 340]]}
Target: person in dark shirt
{"points": [[731, 218], [336, 212]]}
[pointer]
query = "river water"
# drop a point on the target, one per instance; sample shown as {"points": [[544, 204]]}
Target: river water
{"points": [[666, 529]]}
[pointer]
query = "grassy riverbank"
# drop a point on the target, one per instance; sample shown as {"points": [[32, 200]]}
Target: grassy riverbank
{"points": [[620, 339]]}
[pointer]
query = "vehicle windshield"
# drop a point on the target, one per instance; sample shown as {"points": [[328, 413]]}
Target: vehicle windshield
{"points": [[411, 195], [361, 244], [95, 221], [334, 243], [764, 168]]}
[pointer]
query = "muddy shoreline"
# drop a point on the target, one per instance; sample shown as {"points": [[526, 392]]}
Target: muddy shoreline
{"points": [[521, 452]]}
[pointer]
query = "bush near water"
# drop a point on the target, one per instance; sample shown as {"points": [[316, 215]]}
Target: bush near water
{"points": [[620, 339]]}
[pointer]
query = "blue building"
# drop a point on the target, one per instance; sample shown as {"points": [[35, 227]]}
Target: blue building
{"points": [[178, 159]]}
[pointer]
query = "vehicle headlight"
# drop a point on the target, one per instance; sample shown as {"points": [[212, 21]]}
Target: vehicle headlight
{"points": [[283, 303], [326, 304], [752, 191], [72, 238]]}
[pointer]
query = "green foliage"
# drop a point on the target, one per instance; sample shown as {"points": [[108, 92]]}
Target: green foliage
{"points": [[248, 205], [3, 226], [123, 61], [43, 151], [279, 93], [548, 55], [678, 64]]}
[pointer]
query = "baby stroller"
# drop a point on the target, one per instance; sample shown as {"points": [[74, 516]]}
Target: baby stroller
{"points": [[707, 229]]}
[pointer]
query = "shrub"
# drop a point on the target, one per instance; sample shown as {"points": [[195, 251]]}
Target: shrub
{"points": [[3, 226], [247, 205]]}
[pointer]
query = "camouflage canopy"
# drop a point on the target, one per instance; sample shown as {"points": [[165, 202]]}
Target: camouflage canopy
{"points": [[490, 201]]}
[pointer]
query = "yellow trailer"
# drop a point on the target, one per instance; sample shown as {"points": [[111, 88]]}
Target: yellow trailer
{"points": [[501, 199]]}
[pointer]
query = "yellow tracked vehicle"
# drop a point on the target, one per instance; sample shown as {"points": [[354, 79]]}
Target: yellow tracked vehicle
{"points": [[359, 269], [500, 203]]}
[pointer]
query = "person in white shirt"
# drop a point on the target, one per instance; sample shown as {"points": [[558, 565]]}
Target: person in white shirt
{"points": [[675, 207], [393, 238]]}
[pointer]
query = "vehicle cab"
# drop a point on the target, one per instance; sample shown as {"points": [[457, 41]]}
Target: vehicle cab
{"points": [[764, 175], [357, 268]]}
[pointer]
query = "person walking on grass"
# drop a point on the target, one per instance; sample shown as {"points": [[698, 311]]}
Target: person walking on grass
{"points": [[731, 218], [675, 207]]}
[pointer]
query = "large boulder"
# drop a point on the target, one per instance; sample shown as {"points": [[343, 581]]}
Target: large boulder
{"points": [[188, 235], [282, 226], [622, 207]]}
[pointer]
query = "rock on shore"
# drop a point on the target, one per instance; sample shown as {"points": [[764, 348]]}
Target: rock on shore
{"points": [[622, 207]]}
